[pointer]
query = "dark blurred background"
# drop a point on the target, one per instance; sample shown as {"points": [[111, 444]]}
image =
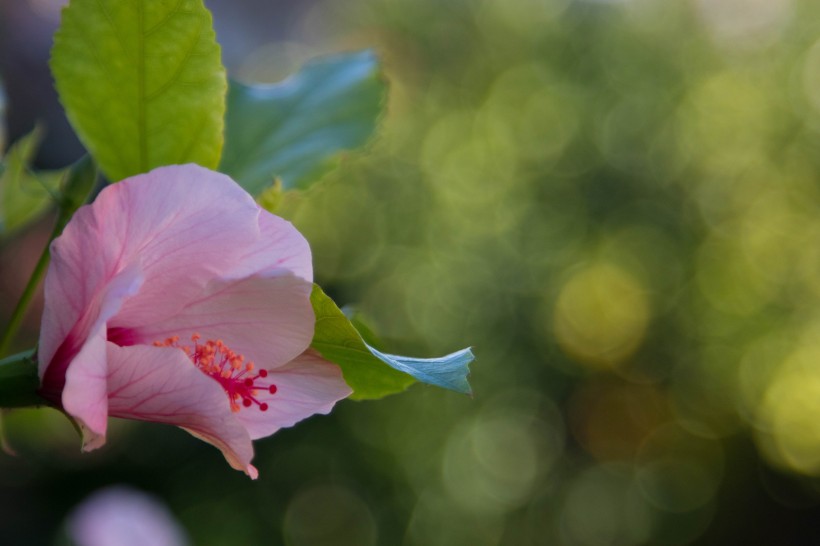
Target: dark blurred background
{"points": [[616, 202]]}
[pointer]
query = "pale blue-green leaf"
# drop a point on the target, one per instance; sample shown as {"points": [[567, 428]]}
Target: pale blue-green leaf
{"points": [[448, 372], [294, 129]]}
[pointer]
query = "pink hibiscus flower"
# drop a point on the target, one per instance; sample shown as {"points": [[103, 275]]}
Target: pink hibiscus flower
{"points": [[174, 298]]}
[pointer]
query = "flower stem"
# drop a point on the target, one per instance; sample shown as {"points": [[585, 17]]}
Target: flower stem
{"points": [[25, 299], [78, 185]]}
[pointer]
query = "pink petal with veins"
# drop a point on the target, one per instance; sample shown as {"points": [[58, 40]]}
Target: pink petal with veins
{"points": [[160, 384], [267, 320], [180, 224], [280, 247], [78, 382], [305, 386]]}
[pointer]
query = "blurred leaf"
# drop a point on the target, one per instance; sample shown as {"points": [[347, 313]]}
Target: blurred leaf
{"points": [[79, 183], [24, 195], [371, 373], [293, 129], [271, 198], [142, 82]]}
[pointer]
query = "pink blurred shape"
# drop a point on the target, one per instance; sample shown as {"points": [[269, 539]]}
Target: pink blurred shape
{"points": [[120, 516]]}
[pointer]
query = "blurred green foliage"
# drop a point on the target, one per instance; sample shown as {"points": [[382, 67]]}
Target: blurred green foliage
{"points": [[24, 195], [616, 203]]}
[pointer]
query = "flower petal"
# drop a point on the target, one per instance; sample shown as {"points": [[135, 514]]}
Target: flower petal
{"points": [[279, 247], [168, 223], [160, 384], [73, 303], [84, 397], [305, 386], [77, 378], [267, 320], [186, 225]]}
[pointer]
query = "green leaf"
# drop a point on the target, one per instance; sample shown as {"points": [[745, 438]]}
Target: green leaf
{"points": [[338, 341], [142, 82], [371, 373], [292, 130], [24, 195]]}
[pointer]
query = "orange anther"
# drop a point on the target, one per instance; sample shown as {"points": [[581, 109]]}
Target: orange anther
{"points": [[227, 367]]}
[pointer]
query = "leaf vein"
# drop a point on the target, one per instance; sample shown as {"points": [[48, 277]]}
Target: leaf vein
{"points": [[179, 69], [168, 16]]}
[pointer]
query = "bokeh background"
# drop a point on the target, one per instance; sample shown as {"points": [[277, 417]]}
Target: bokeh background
{"points": [[615, 202]]}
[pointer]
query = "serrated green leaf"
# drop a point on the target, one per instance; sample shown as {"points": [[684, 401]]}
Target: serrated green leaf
{"points": [[294, 129], [371, 373], [24, 195], [142, 82]]}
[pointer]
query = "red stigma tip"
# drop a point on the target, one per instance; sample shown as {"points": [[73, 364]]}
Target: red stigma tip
{"points": [[216, 360]]}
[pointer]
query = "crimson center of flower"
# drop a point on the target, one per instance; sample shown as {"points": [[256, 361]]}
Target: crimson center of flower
{"points": [[229, 369]]}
